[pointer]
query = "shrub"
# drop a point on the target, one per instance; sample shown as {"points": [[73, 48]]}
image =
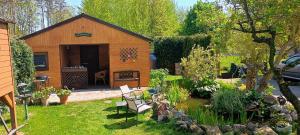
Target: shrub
{"points": [[176, 94], [170, 50], [199, 64], [22, 62], [146, 95], [186, 83], [229, 103], [44, 93], [205, 88], [63, 92], [158, 77]]}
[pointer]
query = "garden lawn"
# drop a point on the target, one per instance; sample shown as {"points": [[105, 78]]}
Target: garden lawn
{"points": [[173, 77], [89, 118], [227, 60]]}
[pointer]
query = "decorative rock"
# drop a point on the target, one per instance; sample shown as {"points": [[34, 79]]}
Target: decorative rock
{"points": [[228, 133], [264, 131], [251, 126], [161, 118], [183, 127], [294, 115], [211, 130], [288, 117], [239, 128], [281, 100], [276, 108], [178, 114], [226, 128], [178, 123], [252, 106], [162, 111], [269, 99], [196, 129], [283, 128]]}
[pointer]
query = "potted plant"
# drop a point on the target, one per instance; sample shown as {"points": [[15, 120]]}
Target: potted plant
{"points": [[36, 97], [63, 95], [44, 95]]}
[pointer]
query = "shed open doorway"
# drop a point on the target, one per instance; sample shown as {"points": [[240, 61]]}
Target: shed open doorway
{"points": [[85, 66]]}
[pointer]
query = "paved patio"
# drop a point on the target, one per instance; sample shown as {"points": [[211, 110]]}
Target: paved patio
{"points": [[91, 94]]}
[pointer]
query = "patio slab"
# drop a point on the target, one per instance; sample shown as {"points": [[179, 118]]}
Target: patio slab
{"points": [[91, 94]]}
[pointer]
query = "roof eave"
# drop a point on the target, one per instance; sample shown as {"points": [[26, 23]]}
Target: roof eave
{"points": [[89, 17]]}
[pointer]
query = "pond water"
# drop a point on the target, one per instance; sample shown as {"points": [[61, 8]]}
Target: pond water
{"points": [[192, 103]]}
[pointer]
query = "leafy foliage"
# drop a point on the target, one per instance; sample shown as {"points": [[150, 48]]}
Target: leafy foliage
{"points": [[199, 64], [205, 116], [230, 103], [170, 50], [158, 78], [176, 94], [197, 17], [43, 93], [63, 92], [22, 62], [152, 18], [205, 88]]}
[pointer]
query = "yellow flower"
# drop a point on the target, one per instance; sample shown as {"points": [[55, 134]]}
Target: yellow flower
{"points": [[242, 87]]}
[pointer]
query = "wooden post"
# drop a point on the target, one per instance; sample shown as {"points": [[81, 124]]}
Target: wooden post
{"points": [[9, 100], [13, 114]]}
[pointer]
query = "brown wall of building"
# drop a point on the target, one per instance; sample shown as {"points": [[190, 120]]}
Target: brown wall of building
{"points": [[6, 80], [50, 41], [6, 74]]}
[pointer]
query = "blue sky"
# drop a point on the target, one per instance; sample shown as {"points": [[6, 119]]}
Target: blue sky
{"points": [[186, 4]]}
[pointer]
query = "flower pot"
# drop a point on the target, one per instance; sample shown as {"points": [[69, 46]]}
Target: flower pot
{"points": [[45, 101], [63, 99]]}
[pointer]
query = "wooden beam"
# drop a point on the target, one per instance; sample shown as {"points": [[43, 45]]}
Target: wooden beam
{"points": [[9, 100], [13, 114], [6, 99]]}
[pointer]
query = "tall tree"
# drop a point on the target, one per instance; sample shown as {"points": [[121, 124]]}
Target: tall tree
{"points": [[149, 17], [276, 24], [31, 15], [22, 12], [195, 21]]}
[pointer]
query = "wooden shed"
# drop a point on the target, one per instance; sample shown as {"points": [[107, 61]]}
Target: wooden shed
{"points": [[6, 73], [73, 51]]}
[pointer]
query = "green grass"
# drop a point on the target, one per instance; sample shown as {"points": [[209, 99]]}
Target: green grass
{"points": [[173, 77], [89, 118], [227, 60]]}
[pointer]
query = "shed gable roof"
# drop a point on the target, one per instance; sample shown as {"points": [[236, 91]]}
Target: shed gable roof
{"points": [[2, 20], [88, 17]]}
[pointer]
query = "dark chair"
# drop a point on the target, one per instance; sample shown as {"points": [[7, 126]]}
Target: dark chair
{"points": [[41, 81]]}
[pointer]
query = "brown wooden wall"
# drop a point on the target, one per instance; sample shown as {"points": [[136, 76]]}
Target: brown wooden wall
{"points": [[6, 80], [50, 41], [6, 74]]}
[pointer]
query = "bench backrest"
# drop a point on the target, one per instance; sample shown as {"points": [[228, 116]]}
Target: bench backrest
{"points": [[119, 75], [125, 89]]}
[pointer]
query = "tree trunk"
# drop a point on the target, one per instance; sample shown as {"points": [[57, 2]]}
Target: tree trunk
{"points": [[286, 91], [263, 82], [251, 77]]}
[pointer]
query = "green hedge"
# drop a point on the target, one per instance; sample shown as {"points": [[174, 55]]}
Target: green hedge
{"points": [[22, 62], [170, 50]]}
